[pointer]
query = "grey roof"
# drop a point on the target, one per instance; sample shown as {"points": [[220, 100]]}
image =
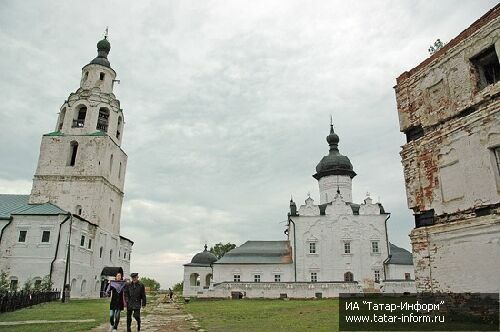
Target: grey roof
{"points": [[204, 258], [19, 204], [399, 256], [259, 252]]}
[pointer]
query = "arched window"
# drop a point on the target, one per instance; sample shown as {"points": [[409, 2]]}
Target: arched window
{"points": [[110, 164], [78, 210], [111, 255], [208, 279], [80, 115], [73, 285], [119, 127], [100, 252], [348, 276], [103, 119], [194, 279], [60, 122], [83, 288], [73, 150]]}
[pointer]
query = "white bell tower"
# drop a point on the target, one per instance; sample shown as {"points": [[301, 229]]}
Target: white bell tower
{"points": [[81, 167]]}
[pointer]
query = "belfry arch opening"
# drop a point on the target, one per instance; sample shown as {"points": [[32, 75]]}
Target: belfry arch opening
{"points": [[103, 119], [60, 122], [80, 115]]}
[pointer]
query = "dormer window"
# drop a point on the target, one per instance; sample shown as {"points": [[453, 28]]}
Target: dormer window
{"points": [[101, 76]]}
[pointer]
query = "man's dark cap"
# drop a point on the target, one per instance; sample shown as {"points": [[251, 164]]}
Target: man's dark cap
{"points": [[133, 275]]}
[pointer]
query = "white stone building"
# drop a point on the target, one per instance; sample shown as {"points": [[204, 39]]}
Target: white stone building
{"points": [[69, 226], [333, 247]]}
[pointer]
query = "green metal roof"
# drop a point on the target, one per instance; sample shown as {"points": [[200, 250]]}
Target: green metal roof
{"points": [[19, 204], [259, 252]]}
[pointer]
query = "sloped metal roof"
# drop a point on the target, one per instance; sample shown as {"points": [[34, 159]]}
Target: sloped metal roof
{"points": [[19, 204], [259, 252], [399, 256]]}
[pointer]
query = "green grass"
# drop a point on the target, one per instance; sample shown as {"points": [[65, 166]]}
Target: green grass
{"points": [[266, 315], [97, 309]]}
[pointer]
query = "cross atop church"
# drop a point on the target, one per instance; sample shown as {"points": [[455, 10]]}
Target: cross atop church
{"points": [[106, 32]]}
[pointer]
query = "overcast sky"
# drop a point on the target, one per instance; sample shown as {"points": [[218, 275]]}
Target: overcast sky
{"points": [[226, 105]]}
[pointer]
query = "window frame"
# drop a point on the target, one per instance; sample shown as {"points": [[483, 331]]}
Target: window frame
{"points": [[257, 278], [377, 247], [236, 277], [376, 275], [314, 277], [277, 277], [313, 248], [42, 239], [347, 248], [82, 240], [22, 231]]}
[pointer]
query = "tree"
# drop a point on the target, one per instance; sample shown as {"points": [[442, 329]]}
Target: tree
{"points": [[152, 284], [4, 282], [219, 250], [438, 44], [28, 285], [178, 287], [46, 284]]}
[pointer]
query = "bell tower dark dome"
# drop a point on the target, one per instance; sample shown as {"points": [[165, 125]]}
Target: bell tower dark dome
{"points": [[334, 163]]}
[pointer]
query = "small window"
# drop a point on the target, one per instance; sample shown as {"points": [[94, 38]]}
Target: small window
{"points": [[277, 278], [124, 255], [407, 276], [100, 252], [120, 171], [348, 276], [78, 210], [22, 236], [86, 76], [89, 245], [347, 247], [488, 67], [375, 249], [314, 277], [46, 236], [236, 278], [376, 275], [13, 284], [312, 247], [256, 278], [101, 76], [82, 241], [496, 150], [111, 255], [73, 147]]}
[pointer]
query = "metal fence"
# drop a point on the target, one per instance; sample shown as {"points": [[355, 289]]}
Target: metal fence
{"points": [[16, 300]]}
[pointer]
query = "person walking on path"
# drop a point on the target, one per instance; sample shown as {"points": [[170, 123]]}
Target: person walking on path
{"points": [[135, 297], [170, 294], [116, 290]]}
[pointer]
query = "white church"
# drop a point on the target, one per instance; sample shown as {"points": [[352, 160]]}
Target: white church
{"points": [[68, 228], [333, 247]]}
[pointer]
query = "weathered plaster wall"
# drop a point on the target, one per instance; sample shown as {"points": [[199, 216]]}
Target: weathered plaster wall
{"points": [[452, 122]]}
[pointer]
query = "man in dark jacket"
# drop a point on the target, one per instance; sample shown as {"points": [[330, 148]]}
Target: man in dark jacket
{"points": [[135, 296]]}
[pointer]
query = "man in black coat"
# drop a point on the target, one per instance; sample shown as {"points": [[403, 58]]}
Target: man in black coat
{"points": [[135, 296]]}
